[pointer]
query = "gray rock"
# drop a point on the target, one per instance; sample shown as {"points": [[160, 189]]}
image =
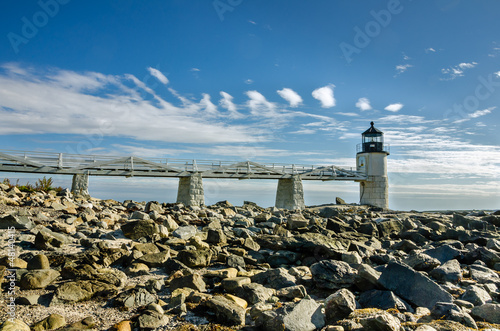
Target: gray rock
{"points": [[20, 222], [443, 253], [296, 221], [36, 279], [333, 274], [305, 316], [39, 261], [254, 293], [483, 274], [193, 281], [185, 232], [136, 297], [298, 291], [367, 278], [476, 295], [151, 320], [383, 300], [413, 286], [28, 300], [82, 290], [377, 320], [154, 260], [51, 322], [139, 215], [452, 312], [48, 240], [389, 227], [329, 212], [489, 312], [226, 312], [275, 278], [250, 245], [339, 305], [421, 262], [216, 236], [138, 229], [195, 258], [448, 272], [235, 261], [282, 257], [231, 284], [137, 269]]}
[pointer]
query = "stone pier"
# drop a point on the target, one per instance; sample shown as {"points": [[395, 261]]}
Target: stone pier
{"points": [[190, 191], [290, 193], [80, 185]]}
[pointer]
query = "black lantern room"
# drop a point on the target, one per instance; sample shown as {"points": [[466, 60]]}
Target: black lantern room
{"points": [[373, 140]]}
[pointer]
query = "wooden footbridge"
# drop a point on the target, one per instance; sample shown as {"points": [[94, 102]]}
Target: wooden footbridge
{"points": [[190, 172]]}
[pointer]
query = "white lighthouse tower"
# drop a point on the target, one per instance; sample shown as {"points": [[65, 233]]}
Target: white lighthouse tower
{"points": [[372, 160]]}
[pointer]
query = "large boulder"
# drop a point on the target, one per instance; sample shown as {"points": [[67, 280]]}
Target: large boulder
{"points": [[51, 322], [82, 290], [413, 286], [339, 305], [448, 272], [226, 311], [333, 274], [20, 222], [140, 228], [307, 315], [136, 297], [489, 312], [275, 278], [195, 258], [36, 279]]}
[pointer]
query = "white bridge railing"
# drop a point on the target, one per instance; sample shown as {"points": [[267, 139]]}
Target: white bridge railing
{"points": [[104, 165]]}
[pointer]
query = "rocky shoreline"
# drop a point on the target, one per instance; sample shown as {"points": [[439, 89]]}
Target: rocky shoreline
{"points": [[87, 264]]}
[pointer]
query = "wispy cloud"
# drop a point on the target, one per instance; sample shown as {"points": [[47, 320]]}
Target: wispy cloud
{"points": [[249, 81], [194, 70], [394, 107], [363, 104], [227, 103], [291, 96], [325, 96], [158, 75], [458, 70], [476, 114], [430, 50], [208, 106], [258, 104], [402, 68], [65, 102]]}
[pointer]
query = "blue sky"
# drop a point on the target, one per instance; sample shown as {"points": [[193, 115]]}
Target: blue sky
{"points": [[268, 81]]}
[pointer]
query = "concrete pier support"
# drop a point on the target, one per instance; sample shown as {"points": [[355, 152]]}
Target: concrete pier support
{"points": [[190, 190], [290, 193], [80, 185]]}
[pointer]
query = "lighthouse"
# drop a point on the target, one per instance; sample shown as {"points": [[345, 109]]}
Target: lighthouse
{"points": [[372, 160]]}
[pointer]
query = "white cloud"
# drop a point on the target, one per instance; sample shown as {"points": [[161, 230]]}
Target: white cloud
{"points": [[207, 104], [194, 69], [404, 119], [363, 104], [430, 50], [402, 68], [347, 114], [291, 96], [497, 74], [249, 81], [458, 70], [227, 103], [394, 107], [480, 113], [158, 75], [252, 22], [325, 96], [258, 104], [62, 105]]}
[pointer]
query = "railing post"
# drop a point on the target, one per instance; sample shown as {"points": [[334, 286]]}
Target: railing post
{"points": [[60, 161]]}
